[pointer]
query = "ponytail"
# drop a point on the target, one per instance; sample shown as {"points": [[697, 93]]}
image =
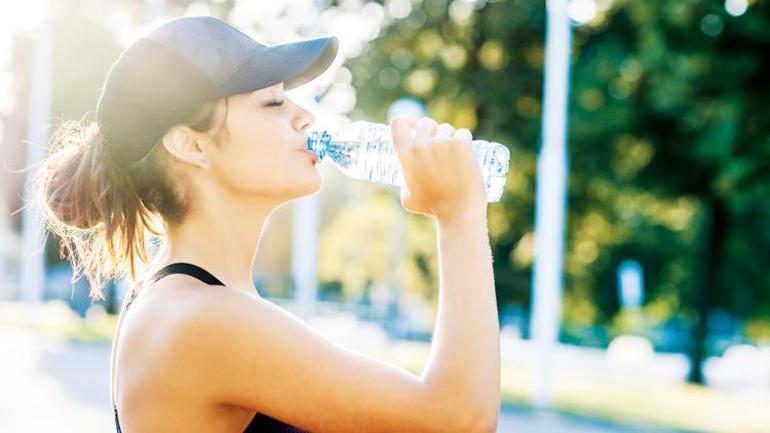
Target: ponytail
{"points": [[93, 207], [105, 214]]}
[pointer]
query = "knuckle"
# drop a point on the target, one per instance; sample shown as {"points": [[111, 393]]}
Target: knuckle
{"points": [[423, 148], [442, 142], [455, 142]]}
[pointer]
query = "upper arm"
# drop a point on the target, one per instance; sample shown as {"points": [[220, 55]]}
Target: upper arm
{"points": [[261, 357]]}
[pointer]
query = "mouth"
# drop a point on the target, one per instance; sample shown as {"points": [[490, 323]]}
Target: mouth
{"points": [[311, 154]]}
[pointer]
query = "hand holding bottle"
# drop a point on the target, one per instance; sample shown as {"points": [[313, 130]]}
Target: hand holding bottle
{"points": [[365, 151], [443, 178]]}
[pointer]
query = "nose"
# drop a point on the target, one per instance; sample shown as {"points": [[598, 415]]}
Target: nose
{"points": [[304, 119]]}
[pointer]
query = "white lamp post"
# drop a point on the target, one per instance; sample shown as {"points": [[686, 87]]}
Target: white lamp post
{"points": [[32, 269], [551, 200], [305, 231]]}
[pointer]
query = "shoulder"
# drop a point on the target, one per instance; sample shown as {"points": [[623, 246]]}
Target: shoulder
{"points": [[222, 319], [181, 332], [174, 320], [203, 312]]}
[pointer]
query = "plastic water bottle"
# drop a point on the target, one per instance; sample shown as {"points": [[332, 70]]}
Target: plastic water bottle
{"points": [[364, 150]]}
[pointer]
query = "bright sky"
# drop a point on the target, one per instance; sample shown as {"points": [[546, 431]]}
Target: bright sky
{"points": [[15, 17]]}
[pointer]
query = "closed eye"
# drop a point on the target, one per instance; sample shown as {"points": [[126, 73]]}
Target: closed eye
{"points": [[274, 103]]}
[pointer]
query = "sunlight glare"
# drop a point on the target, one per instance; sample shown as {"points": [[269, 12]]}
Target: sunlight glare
{"points": [[582, 11]]}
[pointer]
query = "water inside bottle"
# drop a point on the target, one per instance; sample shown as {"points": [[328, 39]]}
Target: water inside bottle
{"points": [[372, 160]]}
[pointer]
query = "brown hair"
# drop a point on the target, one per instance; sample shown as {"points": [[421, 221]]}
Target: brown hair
{"points": [[104, 214]]}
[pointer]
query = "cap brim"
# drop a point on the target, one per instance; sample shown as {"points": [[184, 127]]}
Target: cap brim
{"points": [[293, 63]]}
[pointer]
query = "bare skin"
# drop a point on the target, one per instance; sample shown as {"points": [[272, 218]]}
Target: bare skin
{"points": [[191, 357]]}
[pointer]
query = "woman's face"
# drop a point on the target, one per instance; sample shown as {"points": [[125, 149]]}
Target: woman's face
{"points": [[262, 151]]}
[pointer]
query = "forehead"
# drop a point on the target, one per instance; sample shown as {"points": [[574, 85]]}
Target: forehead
{"points": [[275, 88]]}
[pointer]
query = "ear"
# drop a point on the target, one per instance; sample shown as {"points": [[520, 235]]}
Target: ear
{"points": [[184, 144]]}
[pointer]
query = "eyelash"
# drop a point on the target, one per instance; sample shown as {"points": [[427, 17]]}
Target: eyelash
{"points": [[274, 103]]}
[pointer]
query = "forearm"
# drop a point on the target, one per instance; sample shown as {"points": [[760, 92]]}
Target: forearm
{"points": [[465, 354]]}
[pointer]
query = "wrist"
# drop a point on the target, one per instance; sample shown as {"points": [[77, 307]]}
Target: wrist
{"points": [[464, 217]]}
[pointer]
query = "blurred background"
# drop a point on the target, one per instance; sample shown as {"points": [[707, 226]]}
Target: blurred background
{"points": [[639, 173]]}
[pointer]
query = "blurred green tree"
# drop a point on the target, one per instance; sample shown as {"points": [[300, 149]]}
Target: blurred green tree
{"points": [[674, 92], [668, 144]]}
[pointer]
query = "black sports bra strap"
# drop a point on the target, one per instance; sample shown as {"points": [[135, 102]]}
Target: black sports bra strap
{"points": [[187, 269]]}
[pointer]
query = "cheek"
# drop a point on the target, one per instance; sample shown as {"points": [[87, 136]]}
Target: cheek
{"points": [[248, 148], [247, 165], [263, 166], [254, 161]]}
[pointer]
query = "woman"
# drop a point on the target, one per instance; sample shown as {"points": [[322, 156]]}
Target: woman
{"points": [[196, 142]]}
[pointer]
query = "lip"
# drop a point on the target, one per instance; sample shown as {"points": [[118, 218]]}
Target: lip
{"points": [[312, 155]]}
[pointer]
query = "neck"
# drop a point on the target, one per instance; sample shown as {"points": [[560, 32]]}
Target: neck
{"points": [[221, 237]]}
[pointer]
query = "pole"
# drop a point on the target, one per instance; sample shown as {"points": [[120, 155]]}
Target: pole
{"points": [[550, 202], [305, 232], [32, 269], [304, 253]]}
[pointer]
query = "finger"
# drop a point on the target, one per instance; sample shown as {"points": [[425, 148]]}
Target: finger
{"points": [[424, 130], [444, 130], [463, 134], [409, 120], [401, 130]]}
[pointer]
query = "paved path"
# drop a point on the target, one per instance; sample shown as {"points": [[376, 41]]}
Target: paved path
{"points": [[49, 385]]}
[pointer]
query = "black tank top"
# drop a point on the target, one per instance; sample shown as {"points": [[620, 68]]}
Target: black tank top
{"points": [[261, 422]]}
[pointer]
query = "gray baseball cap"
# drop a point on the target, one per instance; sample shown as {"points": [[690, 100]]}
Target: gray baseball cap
{"points": [[164, 77]]}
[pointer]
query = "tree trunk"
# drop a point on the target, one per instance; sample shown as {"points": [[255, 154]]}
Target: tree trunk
{"points": [[715, 226]]}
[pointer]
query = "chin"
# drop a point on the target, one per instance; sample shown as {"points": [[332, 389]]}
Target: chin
{"points": [[307, 188], [315, 187]]}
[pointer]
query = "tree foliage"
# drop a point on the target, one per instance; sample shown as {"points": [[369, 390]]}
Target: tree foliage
{"points": [[668, 143]]}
